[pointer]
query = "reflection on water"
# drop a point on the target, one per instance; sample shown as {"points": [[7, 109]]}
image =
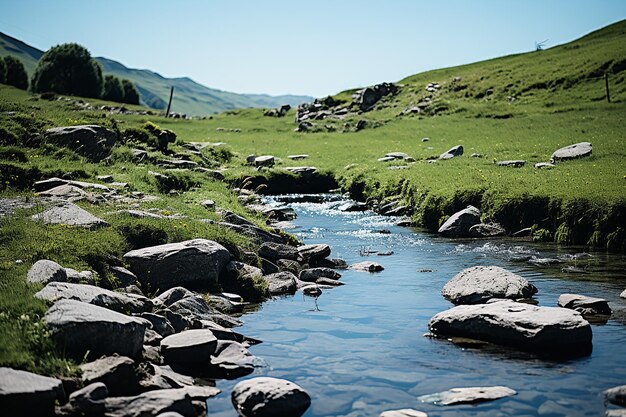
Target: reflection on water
{"points": [[365, 351]]}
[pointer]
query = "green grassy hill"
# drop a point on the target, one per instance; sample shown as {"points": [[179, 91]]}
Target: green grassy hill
{"points": [[189, 96]]}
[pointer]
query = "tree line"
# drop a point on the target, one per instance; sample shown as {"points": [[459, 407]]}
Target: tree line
{"points": [[68, 69]]}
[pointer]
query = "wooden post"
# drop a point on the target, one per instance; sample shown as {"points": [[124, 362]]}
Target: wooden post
{"points": [[169, 105], [606, 85]]}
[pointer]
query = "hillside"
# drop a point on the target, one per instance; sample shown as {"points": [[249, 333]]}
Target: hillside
{"points": [[189, 96]]}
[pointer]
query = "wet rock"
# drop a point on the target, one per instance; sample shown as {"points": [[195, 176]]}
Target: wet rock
{"points": [[232, 360], [271, 250], [313, 274], [487, 230], [78, 328], [24, 394], [574, 270], [546, 330], [313, 252], [452, 152], [45, 271], [367, 266], [91, 141], [281, 283], [328, 282], [459, 223], [95, 295], [90, 399], [151, 403], [279, 214], [195, 263], [160, 324], [584, 305], [265, 397], [479, 284], [578, 150], [616, 395], [353, 206], [117, 373], [70, 214], [513, 163], [195, 345], [407, 412], [469, 395]]}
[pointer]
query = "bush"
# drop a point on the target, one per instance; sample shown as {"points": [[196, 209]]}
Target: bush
{"points": [[15, 73], [7, 137], [113, 89], [131, 95], [68, 69], [136, 135]]}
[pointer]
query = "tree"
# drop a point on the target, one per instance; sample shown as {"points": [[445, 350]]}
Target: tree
{"points": [[68, 69], [3, 72], [113, 89], [15, 72], [131, 95]]}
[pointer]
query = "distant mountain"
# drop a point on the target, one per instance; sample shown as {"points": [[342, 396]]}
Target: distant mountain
{"points": [[154, 89]]}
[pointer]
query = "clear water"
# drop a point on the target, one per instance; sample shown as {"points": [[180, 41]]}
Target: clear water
{"points": [[364, 351]]}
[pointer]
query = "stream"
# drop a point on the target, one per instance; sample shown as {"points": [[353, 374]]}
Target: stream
{"points": [[361, 349]]}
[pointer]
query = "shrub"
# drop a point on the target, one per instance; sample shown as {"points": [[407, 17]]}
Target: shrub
{"points": [[113, 89], [15, 73], [7, 137], [136, 135], [131, 95]]}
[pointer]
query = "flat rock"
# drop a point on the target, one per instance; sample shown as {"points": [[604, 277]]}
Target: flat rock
{"points": [[232, 360], [549, 330], [65, 192], [479, 284], [616, 395], [116, 372], [367, 266], [578, 150], [79, 328], [196, 345], [460, 222], [487, 230], [70, 214], [313, 274], [281, 283], [91, 294], [194, 263], [303, 171], [314, 252], [271, 250], [160, 324], [469, 395], [406, 412], [452, 152], [386, 159], [45, 271], [297, 157], [265, 397], [24, 394], [544, 165], [584, 305], [397, 155], [264, 161], [151, 403], [518, 163], [91, 141], [353, 206]]}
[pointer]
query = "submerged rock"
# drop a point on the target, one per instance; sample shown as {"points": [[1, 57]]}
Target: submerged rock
{"points": [[584, 305], [459, 223], [578, 150], [24, 394], [232, 360], [269, 397], [467, 395], [367, 266]]}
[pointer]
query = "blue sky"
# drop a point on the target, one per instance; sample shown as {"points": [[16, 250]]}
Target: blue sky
{"points": [[294, 47]]}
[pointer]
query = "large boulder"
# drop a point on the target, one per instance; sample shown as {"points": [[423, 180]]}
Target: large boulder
{"points": [[314, 252], [116, 372], [271, 250], [70, 214], [313, 274], [584, 304], [281, 283], [269, 397], [459, 223], [79, 328], [190, 346], [469, 395], [151, 403], [95, 295], [232, 360], [193, 263], [478, 284], [24, 394], [45, 271], [546, 330], [578, 150], [91, 141]]}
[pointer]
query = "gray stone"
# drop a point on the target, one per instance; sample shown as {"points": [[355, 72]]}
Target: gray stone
{"points": [[544, 165], [90, 399], [397, 155], [288, 265], [91, 141], [78, 328], [578, 150], [160, 324], [584, 305], [197, 308], [70, 214], [271, 250], [45, 271], [297, 157], [479, 284], [116, 372], [470, 395], [616, 413], [174, 294], [152, 338], [367, 266], [281, 283], [522, 326], [302, 171], [195, 263], [208, 204], [95, 295], [513, 163], [255, 232], [314, 252], [460, 222], [616, 395], [328, 282], [623, 294], [329, 263], [269, 397], [232, 360], [264, 161], [224, 305], [352, 206], [151, 403], [123, 275], [386, 159], [65, 192], [487, 230], [24, 394], [163, 377], [195, 345], [81, 277], [313, 274], [452, 152], [406, 412]]}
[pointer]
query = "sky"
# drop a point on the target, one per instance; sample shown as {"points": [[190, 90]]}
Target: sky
{"points": [[315, 48]]}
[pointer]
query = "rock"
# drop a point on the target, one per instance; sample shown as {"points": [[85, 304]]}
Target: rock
{"points": [[314, 252], [367, 266], [407, 412], [460, 222], [151, 403], [195, 345], [281, 283], [70, 214], [352, 206], [232, 360], [80, 277], [24, 394], [313, 274], [279, 214], [194, 263], [623, 294], [173, 295], [160, 324], [95, 295], [65, 192], [525, 232], [578, 150], [386, 159], [271, 250], [616, 395], [297, 157], [479, 284], [486, 230], [117, 373], [163, 377], [329, 263], [91, 141], [78, 328], [398, 155], [470, 395], [616, 413], [288, 265], [89, 400], [584, 305], [513, 163], [123, 275], [45, 271], [258, 234], [302, 171], [264, 161], [269, 397], [367, 97], [542, 329], [224, 305], [196, 308], [544, 165], [452, 152], [328, 282]]}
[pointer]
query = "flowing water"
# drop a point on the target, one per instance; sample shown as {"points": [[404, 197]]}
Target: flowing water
{"points": [[364, 350]]}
